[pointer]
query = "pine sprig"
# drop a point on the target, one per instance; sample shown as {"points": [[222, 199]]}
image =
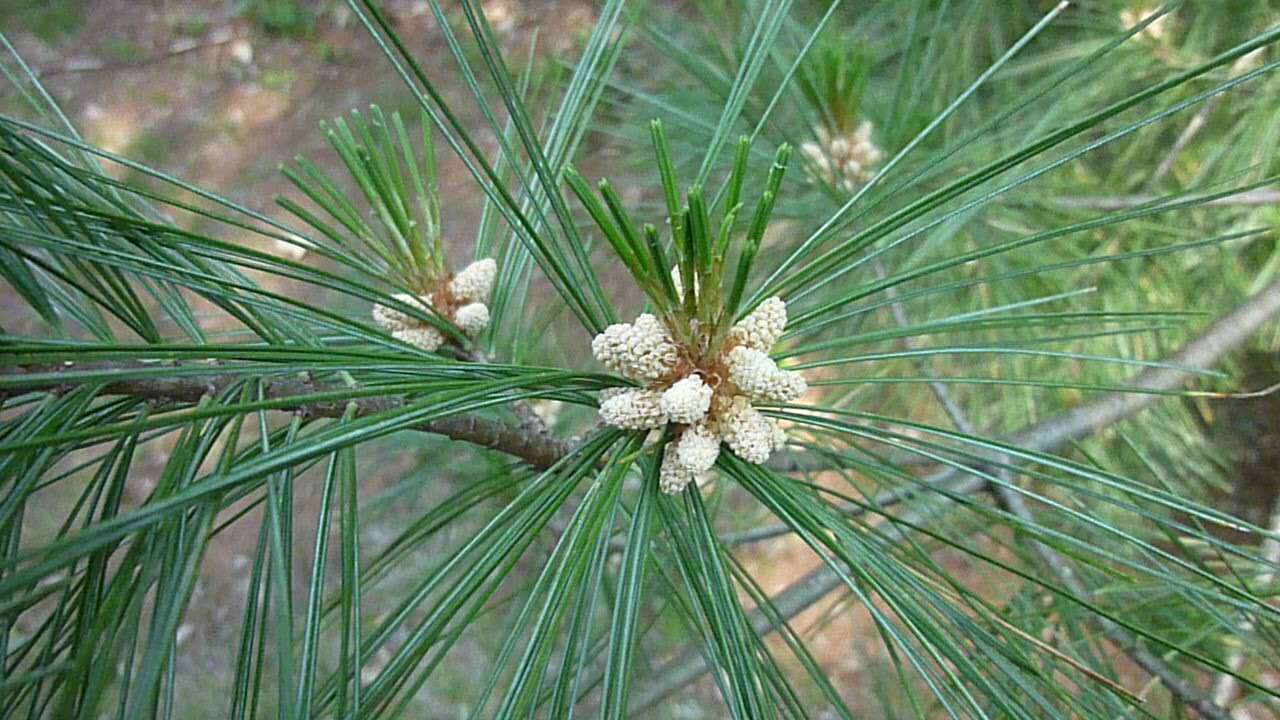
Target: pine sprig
{"points": [[398, 184]]}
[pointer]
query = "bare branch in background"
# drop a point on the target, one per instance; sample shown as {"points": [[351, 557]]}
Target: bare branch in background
{"points": [[1226, 686], [179, 47], [1245, 199]]}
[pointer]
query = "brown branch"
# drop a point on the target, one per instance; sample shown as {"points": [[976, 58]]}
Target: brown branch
{"points": [[1224, 335], [530, 421], [536, 448], [529, 439]]}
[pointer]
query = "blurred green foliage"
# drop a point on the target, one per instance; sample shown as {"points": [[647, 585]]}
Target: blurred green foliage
{"points": [[49, 20], [286, 18]]}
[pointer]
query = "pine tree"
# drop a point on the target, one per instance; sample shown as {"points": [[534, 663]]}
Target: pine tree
{"points": [[930, 289]]}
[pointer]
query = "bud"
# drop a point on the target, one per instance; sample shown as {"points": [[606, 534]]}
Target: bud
{"points": [[839, 149], [687, 401], [748, 434], [762, 327], [862, 136], [698, 449], [760, 378], [472, 318], [864, 153], [475, 281], [423, 337], [633, 409], [845, 161], [813, 152], [642, 350], [779, 434], [390, 319], [673, 476]]}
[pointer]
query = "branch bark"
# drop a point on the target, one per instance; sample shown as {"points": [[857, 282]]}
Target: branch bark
{"points": [[524, 441]]}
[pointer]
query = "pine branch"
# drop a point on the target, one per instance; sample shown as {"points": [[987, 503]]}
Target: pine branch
{"points": [[1221, 337], [524, 441], [529, 439], [541, 451]]}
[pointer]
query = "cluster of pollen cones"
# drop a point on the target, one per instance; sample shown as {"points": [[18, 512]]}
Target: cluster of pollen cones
{"points": [[706, 402], [460, 300], [844, 161]]}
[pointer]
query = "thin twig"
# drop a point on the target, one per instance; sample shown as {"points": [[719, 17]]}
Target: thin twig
{"points": [[1244, 199], [1224, 335], [1200, 120], [1268, 390], [1193, 128], [1061, 568]]}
